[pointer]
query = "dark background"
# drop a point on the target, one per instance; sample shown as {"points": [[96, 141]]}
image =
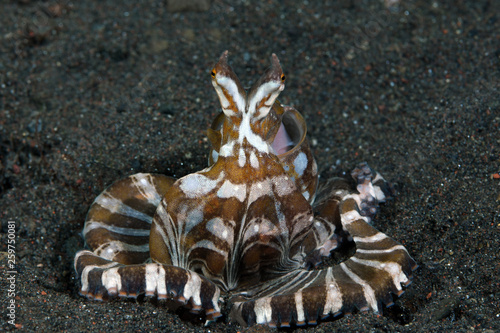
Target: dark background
{"points": [[92, 91]]}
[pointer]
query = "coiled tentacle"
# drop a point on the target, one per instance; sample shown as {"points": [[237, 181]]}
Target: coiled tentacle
{"points": [[117, 229], [119, 221], [103, 278], [379, 267]]}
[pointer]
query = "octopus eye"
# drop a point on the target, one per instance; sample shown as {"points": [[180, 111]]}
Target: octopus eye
{"points": [[282, 77], [213, 73]]}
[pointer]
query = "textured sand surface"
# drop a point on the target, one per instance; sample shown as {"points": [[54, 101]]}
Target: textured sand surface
{"points": [[93, 91]]}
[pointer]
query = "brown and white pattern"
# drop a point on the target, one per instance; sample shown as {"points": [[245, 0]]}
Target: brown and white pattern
{"points": [[253, 225]]}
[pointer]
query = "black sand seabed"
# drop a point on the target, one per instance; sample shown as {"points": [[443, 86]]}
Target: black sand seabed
{"points": [[93, 91]]}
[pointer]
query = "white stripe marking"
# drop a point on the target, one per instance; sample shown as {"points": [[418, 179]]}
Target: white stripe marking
{"points": [[242, 159], [333, 299], [283, 185], [152, 277], [299, 306], [352, 216], [230, 190], [144, 184], [161, 286], [252, 138], [254, 162], [111, 280], [389, 250], [197, 185], [393, 268], [86, 271], [110, 249], [371, 239], [258, 190], [191, 218], [215, 155], [300, 163], [209, 245], [227, 149], [155, 280], [271, 88], [91, 225], [218, 228], [192, 289], [232, 89], [367, 289], [263, 310], [107, 201]]}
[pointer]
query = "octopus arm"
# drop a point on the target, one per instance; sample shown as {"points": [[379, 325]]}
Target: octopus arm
{"points": [[118, 223], [101, 278], [117, 230], [380, 266]]}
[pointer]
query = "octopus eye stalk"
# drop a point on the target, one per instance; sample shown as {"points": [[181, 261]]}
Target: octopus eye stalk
{"points": [[264, 92], [231, 94]]}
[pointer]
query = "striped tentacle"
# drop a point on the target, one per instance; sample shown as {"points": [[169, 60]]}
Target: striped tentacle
{"points": [[103, 278], [379, 267], [327, 231], [117, 229], [298, 297], [119, 221]]}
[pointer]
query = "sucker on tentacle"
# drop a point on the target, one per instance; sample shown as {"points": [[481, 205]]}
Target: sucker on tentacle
{"points": [[254, 225]]}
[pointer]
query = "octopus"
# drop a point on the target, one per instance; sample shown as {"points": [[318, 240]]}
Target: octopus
{"points": [[250, 235]]}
